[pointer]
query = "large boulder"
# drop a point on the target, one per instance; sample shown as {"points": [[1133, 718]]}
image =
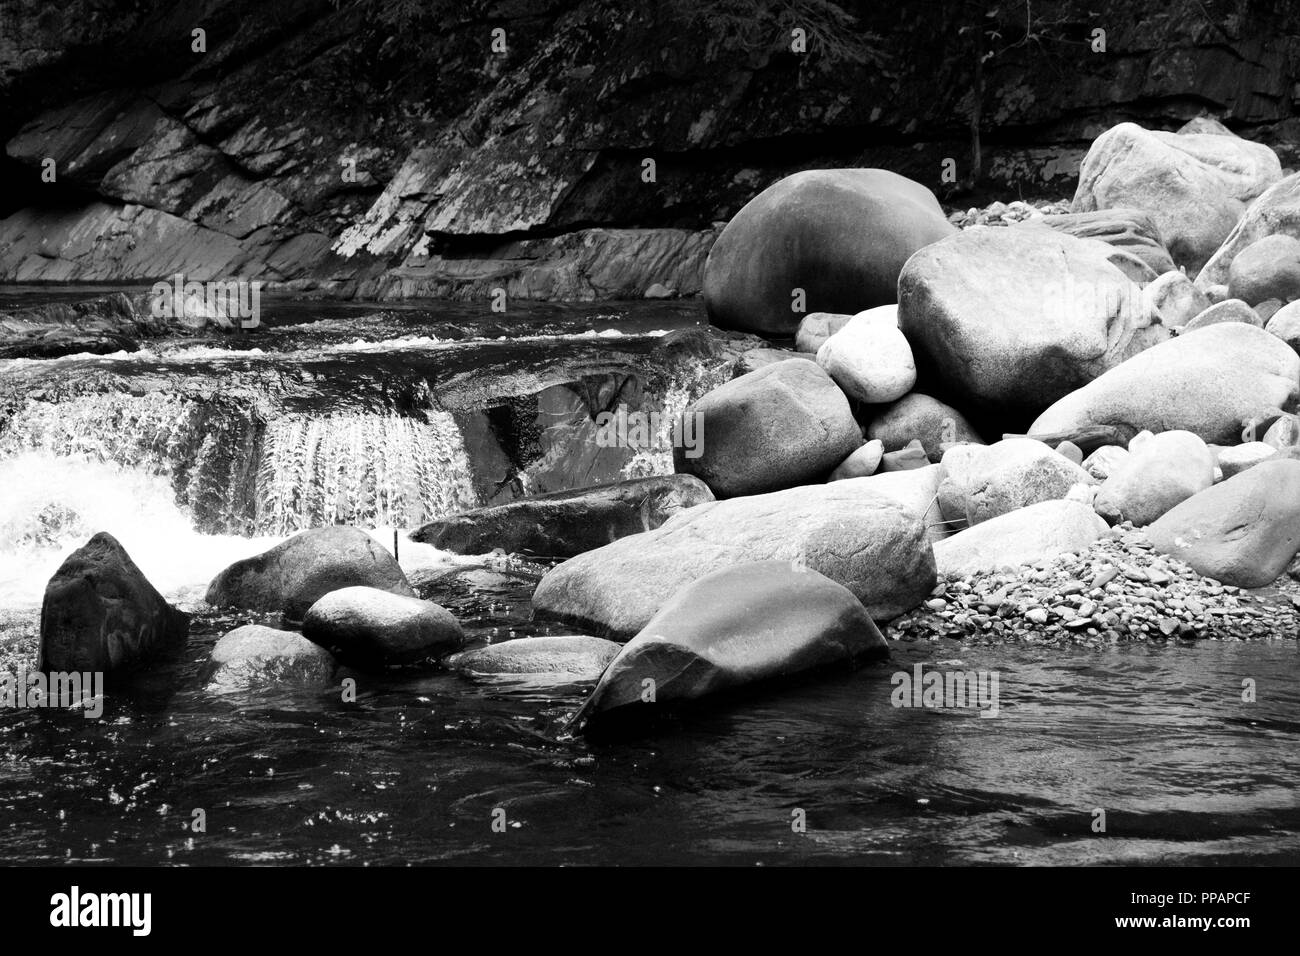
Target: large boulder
{"points": [[1244, 531], [921, 418], [1194, 185], [1015, 473], [781, 426], [1026, 536], [738, 626], [872, 543], [300, 570], [101, 614], [1208, 382], [574, 657], [1133, 231], [565, 523], [1268, 268], [839, 235], [253, 655], [1009, 320], [368, 628], [1275, 212], [1159, 473], [869, 359]]}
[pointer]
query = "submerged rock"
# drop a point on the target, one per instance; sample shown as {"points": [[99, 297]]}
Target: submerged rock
{"points": [[784, 425], [101, 614], [872, 543], [367, 628], [738, 626], [573, 657], [253, 655], [1244, 531], [839, 235], [297, 572], [565, 523]]}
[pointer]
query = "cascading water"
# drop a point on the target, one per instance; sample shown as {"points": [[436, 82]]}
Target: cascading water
{"points": [[235, 472], [361, 469]]}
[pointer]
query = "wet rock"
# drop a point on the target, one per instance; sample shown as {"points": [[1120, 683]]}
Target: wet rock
{"points": [[861, 464], [781, 426], [874, 545], [1175, 298], [1020, 537], [1009, 320], [921, 418], [1163, 471], [101, 614], [1017, 472], [841, 235], [869, 359], [816, 327], [1207, 382], [738, 626], [1194, 185], [1229, 310], [254, 655], [571, 658], [368, 628], [297, 572], [1243, 532], [565, 523]]}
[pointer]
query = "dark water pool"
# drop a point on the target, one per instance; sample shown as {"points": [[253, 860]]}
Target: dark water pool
{"points": [[419, 767]]}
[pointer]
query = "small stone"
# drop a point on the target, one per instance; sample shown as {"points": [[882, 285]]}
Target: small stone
{"points": [[1168, 625]]}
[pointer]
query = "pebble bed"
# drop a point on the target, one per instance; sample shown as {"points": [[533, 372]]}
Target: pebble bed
{"points": [[1006, 214], [1118, 590]]}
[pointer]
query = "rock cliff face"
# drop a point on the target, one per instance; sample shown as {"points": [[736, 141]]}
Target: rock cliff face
{"points": [[388, 149]]}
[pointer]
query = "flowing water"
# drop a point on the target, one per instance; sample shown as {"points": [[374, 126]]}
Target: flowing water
{"points": [[198, 452]]}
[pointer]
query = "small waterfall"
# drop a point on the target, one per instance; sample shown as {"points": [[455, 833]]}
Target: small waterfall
{"points": [[369, 470], [683, 387], [238, 469]]}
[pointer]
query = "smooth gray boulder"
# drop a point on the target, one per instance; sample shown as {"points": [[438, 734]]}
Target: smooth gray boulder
{"points": [[869, 359], [874, 544], [298, 571], [1244, 531], [1275, 212], [1026, 536], [816, 327], [1017, 472], [922, 418], [835, 238], [1229, 310], [1268, 268], [1209, 382], [861, 464], [1007, 321], [1163, 471], [782, 426], [743, 625], [370, 629]]}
